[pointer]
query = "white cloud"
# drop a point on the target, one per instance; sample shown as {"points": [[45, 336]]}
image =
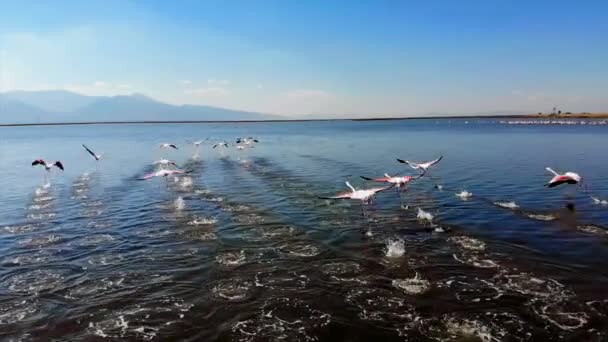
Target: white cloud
{"points": [[124, 86], [185, 82], [100, 84], [259, 86]]}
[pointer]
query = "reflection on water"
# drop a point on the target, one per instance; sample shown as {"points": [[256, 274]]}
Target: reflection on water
{"points": [[240, 248]]}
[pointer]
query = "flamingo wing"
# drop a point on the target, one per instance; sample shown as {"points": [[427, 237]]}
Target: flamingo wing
{"points": [[59, 165], [433, 162], [90, 152]]}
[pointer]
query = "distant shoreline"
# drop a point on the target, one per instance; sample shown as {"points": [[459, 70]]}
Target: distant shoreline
{"points": [[459, 117]]}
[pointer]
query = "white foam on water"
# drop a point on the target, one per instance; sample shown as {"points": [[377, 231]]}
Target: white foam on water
{"points": [[22, 228], [44, 240], [542, 217], [299, 249], [39, 206], [186, 182], [33, 282], [43, 199], [382, 307], [233, 290], [591, 229], [475, 260], [508, 205], [395, 248], [464, 195], [18, 310], [202, 221], [282, 319], [533, 286], [140, 321], [279, 278], [467, 328], [41, 216], [424, 215], [471, 290], [231, 258], [468, 243], [96, 239], [561, 317], [413, 286], [179, 204]]}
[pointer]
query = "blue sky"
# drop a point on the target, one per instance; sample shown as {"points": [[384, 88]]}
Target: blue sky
{"points": [[338, 58]]}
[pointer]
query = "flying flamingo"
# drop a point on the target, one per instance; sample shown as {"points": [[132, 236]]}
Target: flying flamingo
{"points": [[566, 178], [197, 145], [399, 181], [47, 167], [96, 156], [221, 144], [420, 166], [363, 195], [164, 162], [247, 141], [167, 145]]}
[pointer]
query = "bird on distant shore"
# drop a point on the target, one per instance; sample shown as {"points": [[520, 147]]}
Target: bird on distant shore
{"points": [[96, 156], [420, 166], [196, 143], [399, 181], [247, 141], [221, 144], [46, 166], [565, 178]]}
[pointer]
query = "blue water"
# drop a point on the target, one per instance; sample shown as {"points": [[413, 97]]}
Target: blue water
{"points": [[241, 248]]}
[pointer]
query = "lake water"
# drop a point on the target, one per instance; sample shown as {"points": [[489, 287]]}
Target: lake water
{"points": [[241, 248]]}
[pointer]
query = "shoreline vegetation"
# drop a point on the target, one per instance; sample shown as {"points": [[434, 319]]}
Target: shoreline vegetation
{"points": [[524, 116]]}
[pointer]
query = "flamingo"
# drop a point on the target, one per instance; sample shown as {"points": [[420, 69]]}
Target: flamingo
{"points": [[221, 144], [420, 166], [566, 178], [363, 195], [399, 181], [96, 156], [164, 162], [167, 145], [47, 167], [247, 141], [197, 145]]}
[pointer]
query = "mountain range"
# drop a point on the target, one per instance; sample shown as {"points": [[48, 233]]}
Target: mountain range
{"points": [[52, 106]]}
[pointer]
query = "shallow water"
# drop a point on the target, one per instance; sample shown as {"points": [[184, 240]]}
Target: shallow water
{"points": [[242, 249]]}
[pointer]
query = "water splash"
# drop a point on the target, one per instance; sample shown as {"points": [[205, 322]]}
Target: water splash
{"points": [[542, 217], [424, 215], [395, 248], [179, 204], [414, 286], [464, 195], [186, 182], [507, 205], [468, 243], [599, 201]]}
